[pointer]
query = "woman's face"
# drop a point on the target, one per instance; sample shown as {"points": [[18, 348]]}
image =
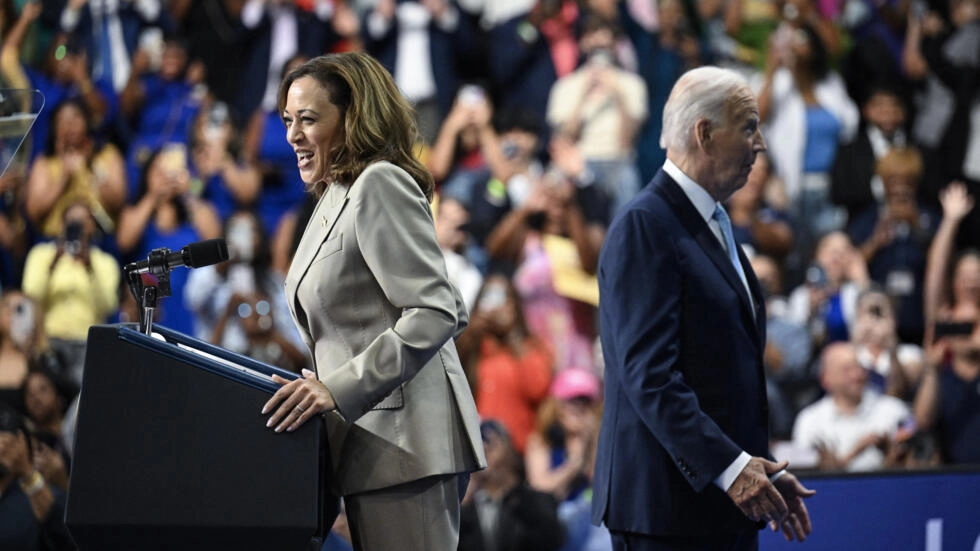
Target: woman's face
{"points": [[173, 61], [69, 127], [314, 127], [966, 280], [574, 414], [40, 398], [166, 173]]}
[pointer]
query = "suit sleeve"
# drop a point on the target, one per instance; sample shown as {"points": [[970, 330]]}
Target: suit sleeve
{"points": [[396, 237], [642, 317]]}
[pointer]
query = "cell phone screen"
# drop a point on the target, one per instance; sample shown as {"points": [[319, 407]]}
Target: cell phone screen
{"points": [[952, 329]]}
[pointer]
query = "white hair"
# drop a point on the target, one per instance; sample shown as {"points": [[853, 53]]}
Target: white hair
{"points": [[701, 93]]}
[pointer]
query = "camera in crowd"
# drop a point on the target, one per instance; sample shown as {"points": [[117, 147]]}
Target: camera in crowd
{"points": [[73, 237]]}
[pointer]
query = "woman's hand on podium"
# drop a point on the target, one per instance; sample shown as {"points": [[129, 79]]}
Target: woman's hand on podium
{"points": [[297, 401]]}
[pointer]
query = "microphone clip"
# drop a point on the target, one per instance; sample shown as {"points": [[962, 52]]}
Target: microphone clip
{"points": [[148, 283]]}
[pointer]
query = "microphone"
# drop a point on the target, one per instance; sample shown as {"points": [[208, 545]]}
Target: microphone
{"points": [[195, 255]]}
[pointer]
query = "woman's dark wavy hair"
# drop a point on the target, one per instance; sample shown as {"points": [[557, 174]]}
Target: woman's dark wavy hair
{"points": [[64, 388], [379, 124], [819, 63], [50, 142]]}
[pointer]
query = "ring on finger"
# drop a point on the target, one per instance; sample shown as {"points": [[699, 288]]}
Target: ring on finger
{"points": [[300, 408]]}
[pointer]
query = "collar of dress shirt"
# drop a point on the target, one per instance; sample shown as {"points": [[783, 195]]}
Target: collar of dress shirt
{"points": [[880, 144], [702, 201]]}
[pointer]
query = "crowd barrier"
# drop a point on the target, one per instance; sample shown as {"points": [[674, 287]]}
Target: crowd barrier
{"points": [[934, 510]]}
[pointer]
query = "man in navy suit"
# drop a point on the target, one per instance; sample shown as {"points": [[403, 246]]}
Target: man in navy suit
{"points": [[683, 459]]}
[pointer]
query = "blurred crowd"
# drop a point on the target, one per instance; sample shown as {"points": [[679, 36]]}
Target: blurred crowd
{"points": [[539, 119]]}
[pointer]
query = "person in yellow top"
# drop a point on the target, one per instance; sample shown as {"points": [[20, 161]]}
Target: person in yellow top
{"points": [[75, 167], [74, 282]]}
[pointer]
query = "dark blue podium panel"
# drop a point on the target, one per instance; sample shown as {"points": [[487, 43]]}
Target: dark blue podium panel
{"points": [[171, 452], [926, 510]]}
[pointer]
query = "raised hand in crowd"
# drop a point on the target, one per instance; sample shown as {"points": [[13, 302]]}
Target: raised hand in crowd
{"points": [[956, 202], [939, 297], [467, 127], [15, 461], [51, 464]]}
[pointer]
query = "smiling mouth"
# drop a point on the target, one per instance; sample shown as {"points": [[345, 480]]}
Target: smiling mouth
{"points": [[304, 159]]}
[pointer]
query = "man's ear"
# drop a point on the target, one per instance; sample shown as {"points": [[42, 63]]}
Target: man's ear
{"points": [[702, 133]]}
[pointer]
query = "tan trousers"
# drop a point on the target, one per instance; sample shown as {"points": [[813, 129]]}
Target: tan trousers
{"points": [[422, 515]]}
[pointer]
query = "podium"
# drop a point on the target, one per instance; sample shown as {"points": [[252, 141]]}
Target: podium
{"points": [[171, 452]]}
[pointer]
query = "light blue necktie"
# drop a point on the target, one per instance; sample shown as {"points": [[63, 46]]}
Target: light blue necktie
{"points": [[726, 232]]}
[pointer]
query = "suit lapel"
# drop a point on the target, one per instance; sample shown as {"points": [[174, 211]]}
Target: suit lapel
{"points": [[321, 223], [757, 299], [691, 219]]}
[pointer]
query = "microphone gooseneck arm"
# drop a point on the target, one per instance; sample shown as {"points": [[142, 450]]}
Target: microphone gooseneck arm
{"points": [[149, 279]]}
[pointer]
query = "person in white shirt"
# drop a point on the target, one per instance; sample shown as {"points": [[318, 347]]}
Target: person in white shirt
{"points": [[601, 107], [852, 426]]}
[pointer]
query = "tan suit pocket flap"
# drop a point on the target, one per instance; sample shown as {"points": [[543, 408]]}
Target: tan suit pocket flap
{"points": [[395, 400], [329, 247]]}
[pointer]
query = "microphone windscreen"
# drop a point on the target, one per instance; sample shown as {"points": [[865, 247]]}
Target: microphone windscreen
{"points": [[205, 253]]}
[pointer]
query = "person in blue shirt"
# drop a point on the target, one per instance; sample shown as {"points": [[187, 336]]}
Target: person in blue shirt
{"points": [[160, 104], [63, 76], [265, 145], [217, 170], [894, 238], [167, 214]]}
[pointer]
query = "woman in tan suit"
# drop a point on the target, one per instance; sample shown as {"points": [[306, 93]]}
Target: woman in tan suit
{"points": [[368, 290]]}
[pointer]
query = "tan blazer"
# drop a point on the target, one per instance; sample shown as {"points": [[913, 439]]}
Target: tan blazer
{"points": [[369, 292]]}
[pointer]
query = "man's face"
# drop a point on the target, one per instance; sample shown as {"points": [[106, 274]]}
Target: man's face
{"points": [[732, 147], [843, 375], [900, 196], [886, 112]]}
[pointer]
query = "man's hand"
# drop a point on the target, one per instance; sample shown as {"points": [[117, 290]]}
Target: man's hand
{"points": [[755, 495], [796, 525]]}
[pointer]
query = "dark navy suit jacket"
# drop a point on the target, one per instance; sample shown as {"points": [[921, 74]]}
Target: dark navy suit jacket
{"points": [[314, 37], [685, 387]]}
